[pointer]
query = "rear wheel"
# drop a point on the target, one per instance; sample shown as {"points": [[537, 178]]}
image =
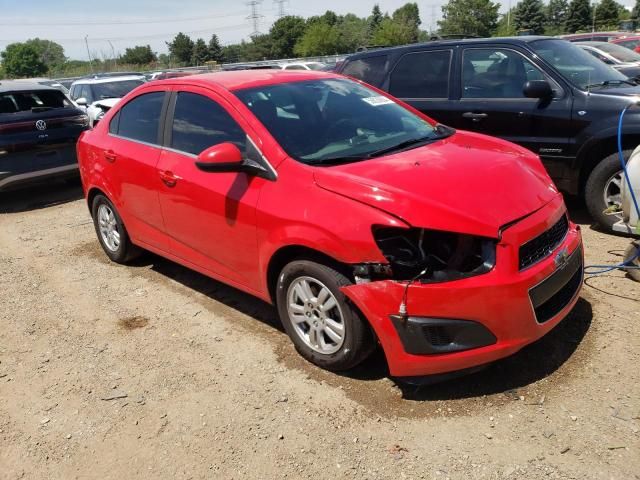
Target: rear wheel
{"points": [[111, 232], [324, 326], [602, 190]]}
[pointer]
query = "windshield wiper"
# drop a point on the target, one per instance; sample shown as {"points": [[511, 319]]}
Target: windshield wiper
{"points": [[336, 160], [606, 83], [413, 142]]}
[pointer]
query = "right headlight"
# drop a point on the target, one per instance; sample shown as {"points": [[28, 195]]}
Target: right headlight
{"points": [[445, 256]]}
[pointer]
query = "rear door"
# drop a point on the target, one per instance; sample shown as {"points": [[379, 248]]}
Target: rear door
{"points": [[38, 132], [131, 155]]}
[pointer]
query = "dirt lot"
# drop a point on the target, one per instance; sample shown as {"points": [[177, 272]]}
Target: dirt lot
{"points": [[153, 371]]}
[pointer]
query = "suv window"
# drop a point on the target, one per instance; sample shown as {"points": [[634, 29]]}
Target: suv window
{"points": [[368, 69], [422, 75], [496, 73], [139, 119], [85, 92], [33, 101], [200, 123]]}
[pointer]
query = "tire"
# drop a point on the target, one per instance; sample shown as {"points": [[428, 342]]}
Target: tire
{"points": [[118, 248], [357, 340], [631, 256], [598, 183]]}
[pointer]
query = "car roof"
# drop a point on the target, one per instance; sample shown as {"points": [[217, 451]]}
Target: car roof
{"points": [[241, 79], [628, 37], [591, 43], [521, 40], [93, 80], [22, 86]]}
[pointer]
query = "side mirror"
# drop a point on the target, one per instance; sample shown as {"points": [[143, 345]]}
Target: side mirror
{"points": [[537, 89], [82, 102], [224, 157]]}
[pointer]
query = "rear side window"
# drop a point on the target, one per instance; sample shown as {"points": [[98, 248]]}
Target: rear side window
{"points": [[139, 119], [368, 69], [200, 123], [422, 75], [32, 101]]}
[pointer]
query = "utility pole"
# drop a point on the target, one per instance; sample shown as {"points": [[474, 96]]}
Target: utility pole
{"points": [[86, 42], [595, 7], [281, 9], [255, 16], [113, 55]]}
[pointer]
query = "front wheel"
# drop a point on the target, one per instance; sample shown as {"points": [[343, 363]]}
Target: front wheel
{"points": [[603, 190], [324, 326]]}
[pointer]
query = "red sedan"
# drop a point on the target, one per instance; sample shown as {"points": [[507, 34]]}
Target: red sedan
{"points": [[361, 219]]}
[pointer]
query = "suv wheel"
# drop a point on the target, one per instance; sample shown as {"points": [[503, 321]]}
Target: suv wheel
{"points": [[602, 190], [111, 231], [324, 326]]}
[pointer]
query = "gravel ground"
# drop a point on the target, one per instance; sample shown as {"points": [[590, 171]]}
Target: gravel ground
{"points": [[153, 371]]}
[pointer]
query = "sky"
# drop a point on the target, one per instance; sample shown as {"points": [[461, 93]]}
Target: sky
{"points": [[113, 25]]}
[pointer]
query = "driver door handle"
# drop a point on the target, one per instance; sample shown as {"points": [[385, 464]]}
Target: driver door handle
{"points": [[169, 178], [110, 156], [476, 117]]}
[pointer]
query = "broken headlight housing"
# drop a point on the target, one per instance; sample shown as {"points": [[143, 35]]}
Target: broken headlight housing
{"points": [[434, 256]]}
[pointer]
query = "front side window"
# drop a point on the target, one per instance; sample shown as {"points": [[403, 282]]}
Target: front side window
{"points": [[139, 119], [422, 75], [336, 120], [368, 69], [496, 73], [576, 65], [200, 123]]}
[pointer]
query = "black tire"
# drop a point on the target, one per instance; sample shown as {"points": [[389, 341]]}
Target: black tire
{"points": [[595, 189], [125, 251], [359, 341]]}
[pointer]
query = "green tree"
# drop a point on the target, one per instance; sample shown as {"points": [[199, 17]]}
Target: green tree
{"points": [[529, 15], [469, 17], [285, 33], [320, 38], [607, 15], [51, 53], [579, 16], [352, 33], [408, 17], [506, 27], [556, 16], [374, 21], [215, 50], [393, 33], [22, 60], [635, 12], [259, 48], [181, 48], [200, 53], [139, 55]]}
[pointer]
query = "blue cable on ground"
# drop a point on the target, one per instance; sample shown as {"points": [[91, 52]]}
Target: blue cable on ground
{"points": [[598, 269]]}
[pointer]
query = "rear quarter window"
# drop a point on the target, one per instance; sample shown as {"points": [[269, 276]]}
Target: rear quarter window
{"points": [[422, 75], [368, 69]]}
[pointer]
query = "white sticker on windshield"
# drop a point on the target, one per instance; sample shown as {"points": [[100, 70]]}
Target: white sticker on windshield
{"points": [[379, 100]]}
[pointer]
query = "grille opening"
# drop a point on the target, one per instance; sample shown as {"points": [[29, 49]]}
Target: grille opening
{"points": [[560, 299], [541, 246]]}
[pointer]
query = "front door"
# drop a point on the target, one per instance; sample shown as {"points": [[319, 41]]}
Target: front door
{"points": [[209, 217]]}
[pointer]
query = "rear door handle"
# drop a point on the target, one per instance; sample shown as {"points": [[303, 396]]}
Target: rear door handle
{"points": [[110, 156], [476, 117], [169, 178]]}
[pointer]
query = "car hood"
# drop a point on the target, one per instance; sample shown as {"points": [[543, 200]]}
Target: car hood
{"points": [[467, 183], [106, 102]]}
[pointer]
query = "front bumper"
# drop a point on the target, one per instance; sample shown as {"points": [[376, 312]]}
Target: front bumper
{"points": [[507, 304]]}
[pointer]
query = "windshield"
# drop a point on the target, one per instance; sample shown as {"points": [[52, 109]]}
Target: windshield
{"points": [[315, 66], [114, 89], [333, 120], [576, 65], [32, 101], [620, 53]]}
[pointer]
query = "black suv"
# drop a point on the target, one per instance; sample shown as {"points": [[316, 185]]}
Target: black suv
{"points": [[39, 127], [543, 93]]}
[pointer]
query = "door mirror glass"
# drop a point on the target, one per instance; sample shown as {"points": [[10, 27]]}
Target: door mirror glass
{"points": [[224, 157], [82, 102], [537, 89]]}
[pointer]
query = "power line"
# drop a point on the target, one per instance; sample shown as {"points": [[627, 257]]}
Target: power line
{"points": [[281, 7], [255, 16]]}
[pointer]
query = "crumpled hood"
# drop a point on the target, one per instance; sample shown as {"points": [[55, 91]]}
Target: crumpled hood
{"points": [[107, 102], [467, 183]]}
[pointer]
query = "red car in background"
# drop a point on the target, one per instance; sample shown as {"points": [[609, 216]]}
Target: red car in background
{"points": [[361, 219], [631, 42]]}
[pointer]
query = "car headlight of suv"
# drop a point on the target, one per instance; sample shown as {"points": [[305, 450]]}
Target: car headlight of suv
{"points": [[442, 256]]}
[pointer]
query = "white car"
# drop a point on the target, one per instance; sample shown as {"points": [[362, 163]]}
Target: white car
{"points": [[303, 66], [98, 94]]}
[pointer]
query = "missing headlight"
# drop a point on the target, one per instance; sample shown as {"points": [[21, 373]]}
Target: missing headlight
{"points": [[444, 255]]}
